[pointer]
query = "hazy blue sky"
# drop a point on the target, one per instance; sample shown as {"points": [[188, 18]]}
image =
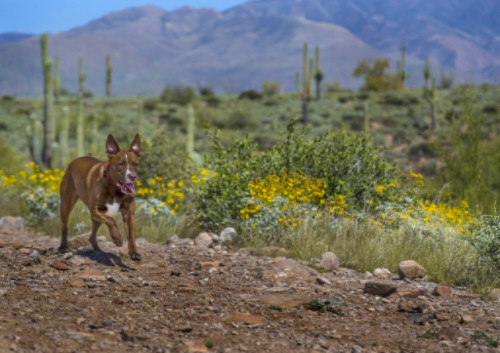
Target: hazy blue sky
{"points": [[36, 16]]}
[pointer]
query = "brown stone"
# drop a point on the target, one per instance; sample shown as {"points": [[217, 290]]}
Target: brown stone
{"points": [[322, 281], [442, 291], [466, 319], [25, 251], [282, 301], [411, 269], [329, 261], [380, 288], [210, 264], [195, 346], [92, 276], [60, 266], [2, 243], [243, 317], [79, 241], [76, 283], [203, 239]]}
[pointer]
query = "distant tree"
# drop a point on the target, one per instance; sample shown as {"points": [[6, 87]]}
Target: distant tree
{"points": [[375, 76], [270, 88]]}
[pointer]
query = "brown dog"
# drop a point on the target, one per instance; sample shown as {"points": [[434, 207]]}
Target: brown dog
{"points": [[106, 188]]}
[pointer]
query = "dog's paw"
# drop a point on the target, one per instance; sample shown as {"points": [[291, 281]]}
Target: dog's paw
{"points": [[135, 256], [118, 241], [63, 249]]}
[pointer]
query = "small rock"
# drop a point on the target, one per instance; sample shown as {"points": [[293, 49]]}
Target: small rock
{"points": [[442, 291], [35, 257], [173, 239], [322, 280], [76, 283], [79, 241], [228, 234], [380, 288], [12, 224], [215, 237], [496, 323], [24, 251], [196, 346], [203, 239], [243, 317], [92, 276], [383, 273], [175, 273], [207, 265], [411, 269], [60, 266], [466, 319], [329, 261]]}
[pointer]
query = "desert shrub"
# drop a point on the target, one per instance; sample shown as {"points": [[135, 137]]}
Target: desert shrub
{"points": [[209, 96], [490, 109], [375, 76], [486, 239], [165, 158], [250, 95], [399, 99], [345, 99], [7, 98], [346, 164], [179, 95], [270, 88], [150, 104], [10, 158], [331, 87]]}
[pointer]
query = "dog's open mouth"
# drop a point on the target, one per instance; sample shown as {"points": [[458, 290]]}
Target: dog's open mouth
{"points": [[126, 187]]}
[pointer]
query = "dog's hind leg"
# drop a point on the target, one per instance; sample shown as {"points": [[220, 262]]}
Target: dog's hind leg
{"points": [[68, 200], [93, 235]]}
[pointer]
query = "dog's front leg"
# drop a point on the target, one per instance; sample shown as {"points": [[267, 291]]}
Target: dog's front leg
{"points": [[114, 232], [129, 220]]}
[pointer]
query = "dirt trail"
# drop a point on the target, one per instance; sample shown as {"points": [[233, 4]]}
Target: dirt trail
{"points": [[185, 298]]}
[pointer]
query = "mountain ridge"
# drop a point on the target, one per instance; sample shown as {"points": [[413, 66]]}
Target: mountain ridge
{"points": [[243, 46]]}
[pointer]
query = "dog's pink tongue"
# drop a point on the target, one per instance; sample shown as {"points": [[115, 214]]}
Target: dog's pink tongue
{"points": [[129, 188]]}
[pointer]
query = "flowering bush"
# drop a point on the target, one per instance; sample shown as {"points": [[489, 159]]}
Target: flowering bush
{"points": [[39, 189]]}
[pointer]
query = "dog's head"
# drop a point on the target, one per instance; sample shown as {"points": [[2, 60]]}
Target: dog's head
{"points": [[122, 165]]}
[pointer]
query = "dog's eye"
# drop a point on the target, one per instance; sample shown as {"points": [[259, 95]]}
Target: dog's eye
{"points": [[121, 164], [135, 164]]}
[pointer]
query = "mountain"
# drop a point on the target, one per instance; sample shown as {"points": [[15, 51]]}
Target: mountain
{"points": [[13, 37], [261, 40]]}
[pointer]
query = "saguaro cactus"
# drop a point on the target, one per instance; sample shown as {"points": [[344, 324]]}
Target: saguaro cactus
{"points": [[35, 131], [64, 137], [56, 155], [318, 74], [81, 77], [426, 71], [366, 116], [109, 76], [79, 127], [140, 118], [57, 78], [48, 102], [431, 97], [191, 123], [305, 93], [402, 68], [297, 82]]}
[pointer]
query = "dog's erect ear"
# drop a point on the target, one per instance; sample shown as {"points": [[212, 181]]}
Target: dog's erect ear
{"points": [[112, 147], [136, 145]]}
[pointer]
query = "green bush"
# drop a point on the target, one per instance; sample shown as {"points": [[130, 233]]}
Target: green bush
{"points": [[166, 158], [178, 95], [348, 164], [486, 240]]}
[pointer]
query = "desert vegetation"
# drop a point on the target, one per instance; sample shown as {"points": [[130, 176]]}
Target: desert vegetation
{"points": [[377, 175]]}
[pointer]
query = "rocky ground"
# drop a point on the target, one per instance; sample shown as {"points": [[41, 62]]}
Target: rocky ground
{"points": [[196, 298]]}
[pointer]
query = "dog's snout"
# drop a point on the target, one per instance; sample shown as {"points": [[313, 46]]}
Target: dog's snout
{"points": [[131, 176]]}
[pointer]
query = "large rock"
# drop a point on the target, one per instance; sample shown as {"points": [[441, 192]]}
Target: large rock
{"points": [[442, 291], [12, 224], [228, 234], [380, 288], [329, 261], [382, 273], [203, 239], [411, 269]]}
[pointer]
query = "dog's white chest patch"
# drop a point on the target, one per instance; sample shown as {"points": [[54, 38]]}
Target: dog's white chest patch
{"points": [[112, 208]]}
